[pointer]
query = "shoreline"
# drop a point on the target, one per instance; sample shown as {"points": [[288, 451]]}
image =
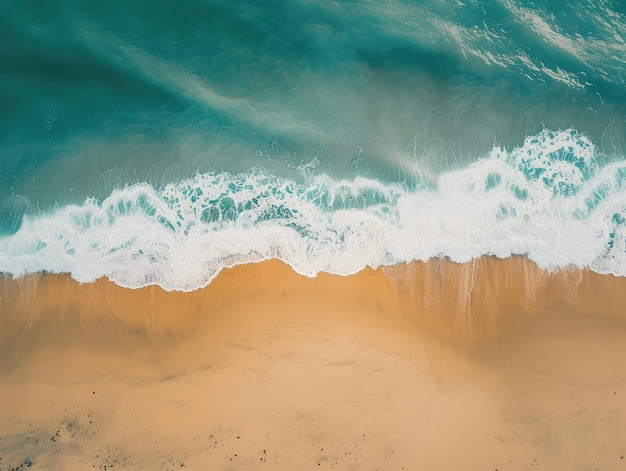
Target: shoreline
{"points": [[461, 303]]}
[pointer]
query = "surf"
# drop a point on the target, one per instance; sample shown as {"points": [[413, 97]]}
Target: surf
{"points": [[530, 201]]}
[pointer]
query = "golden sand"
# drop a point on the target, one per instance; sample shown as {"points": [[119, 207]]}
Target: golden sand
{"points": [[494, 364]]}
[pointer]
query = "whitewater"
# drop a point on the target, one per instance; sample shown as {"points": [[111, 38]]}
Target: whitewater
{"points": [[554, 200]]}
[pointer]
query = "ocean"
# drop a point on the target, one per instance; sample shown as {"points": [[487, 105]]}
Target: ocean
{"points": [[158, 144]]}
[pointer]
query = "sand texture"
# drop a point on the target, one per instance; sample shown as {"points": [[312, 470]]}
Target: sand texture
{"points": [[494, 364]]}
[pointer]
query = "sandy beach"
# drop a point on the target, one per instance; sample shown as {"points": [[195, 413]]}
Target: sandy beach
{"points": [[490, 365]]}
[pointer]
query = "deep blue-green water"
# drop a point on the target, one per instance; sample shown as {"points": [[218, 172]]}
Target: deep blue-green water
{"points": [[157, 142]]}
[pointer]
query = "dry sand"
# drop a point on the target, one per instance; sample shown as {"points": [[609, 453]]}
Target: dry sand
{"points": [[428, 366]]}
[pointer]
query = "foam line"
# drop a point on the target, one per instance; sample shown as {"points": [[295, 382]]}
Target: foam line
{"points": [[552, 200]]}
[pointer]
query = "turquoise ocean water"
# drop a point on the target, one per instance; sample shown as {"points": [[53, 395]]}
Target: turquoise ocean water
{"points": [[158, 142]]}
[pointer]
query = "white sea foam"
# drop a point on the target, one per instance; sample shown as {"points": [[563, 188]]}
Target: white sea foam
{"points": [[550, 200]]}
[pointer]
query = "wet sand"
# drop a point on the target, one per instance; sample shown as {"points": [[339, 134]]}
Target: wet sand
{"points": [[489, 365]]}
